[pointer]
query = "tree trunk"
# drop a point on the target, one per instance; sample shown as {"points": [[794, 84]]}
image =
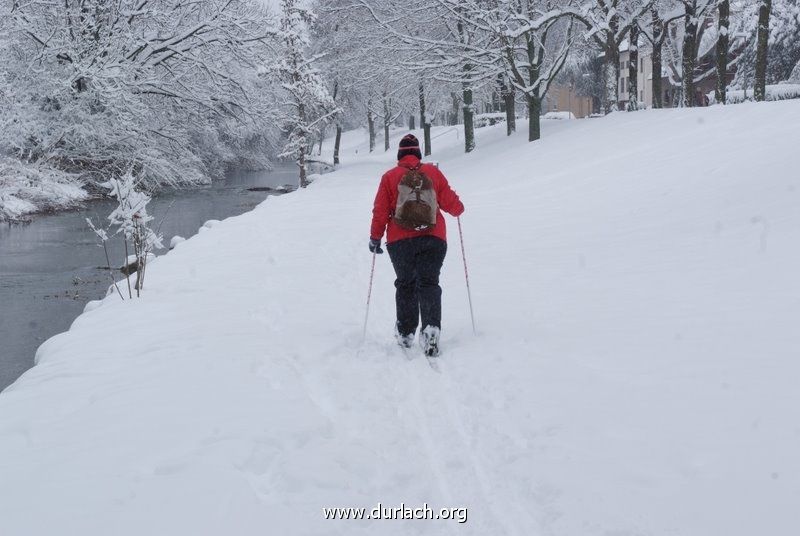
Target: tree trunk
{"points": [[301, 154], [412, 122], [454, 113], [633, 69], [301, 163], [762, 42], [723, 40], [532, 96], [658, 42], [611, 73], [511, 112], [612, 68], [469, 124], [534, 111], [689, 52], [509, 100], [337, 144], [423, 121], [386, 123], [371, 126]]}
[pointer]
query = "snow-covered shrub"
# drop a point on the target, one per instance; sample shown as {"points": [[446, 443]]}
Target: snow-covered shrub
{"points": [[130, 218], [775, 92], [489, 119], [131, 221], [102, 236]]}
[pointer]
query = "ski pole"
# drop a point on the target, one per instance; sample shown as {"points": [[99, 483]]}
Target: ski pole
{"points": [[466, 276], [369, 295]]}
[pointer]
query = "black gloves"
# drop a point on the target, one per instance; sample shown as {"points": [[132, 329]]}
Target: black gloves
{"points": [[375, 246]]}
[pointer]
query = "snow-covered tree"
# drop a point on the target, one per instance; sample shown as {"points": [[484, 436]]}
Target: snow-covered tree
{"points": [[780, 53], [762, 43], [163, 88], [694, 16], [436, 41], [722, 49], [307, 104], [609, 23], [533, 37]]}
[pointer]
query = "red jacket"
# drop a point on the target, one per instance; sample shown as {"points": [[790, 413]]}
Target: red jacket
{"points": [[386, 202]]}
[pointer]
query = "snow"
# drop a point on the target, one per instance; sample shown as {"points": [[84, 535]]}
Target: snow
{"points": [[27, 189], [488, 119], [175, 241], [635, 289], [133, 259], [208, 225], [782, 91], [794, 78], [558, 115]]}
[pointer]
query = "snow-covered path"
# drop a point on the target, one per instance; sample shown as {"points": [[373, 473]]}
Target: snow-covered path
{"points": [[635, 287]]}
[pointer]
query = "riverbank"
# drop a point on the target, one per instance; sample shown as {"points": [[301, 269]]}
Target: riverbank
{"points": [[25, 191], [26, 194], [51, 267], [635, 287]]}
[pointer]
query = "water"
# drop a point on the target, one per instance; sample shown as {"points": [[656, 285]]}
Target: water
{"points": [[51, 267]]}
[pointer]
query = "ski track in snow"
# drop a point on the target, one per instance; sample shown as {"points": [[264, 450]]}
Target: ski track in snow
{"points": [[633, 374]]}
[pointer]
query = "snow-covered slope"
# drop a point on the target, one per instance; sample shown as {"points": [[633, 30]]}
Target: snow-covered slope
{"points": [[635, 372]]}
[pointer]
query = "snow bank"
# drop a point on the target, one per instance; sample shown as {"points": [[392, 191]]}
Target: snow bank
{"points": [[635, 286], [775, 92], [175, 241], [558, 115], [489, 119], [25, 189]]}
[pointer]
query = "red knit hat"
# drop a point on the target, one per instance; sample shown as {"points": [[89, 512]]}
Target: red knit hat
{"points": [[409, 145]]}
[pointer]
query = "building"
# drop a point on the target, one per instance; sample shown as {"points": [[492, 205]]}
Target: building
{"points": [[563, 98], [644, 80], [705, 77]]}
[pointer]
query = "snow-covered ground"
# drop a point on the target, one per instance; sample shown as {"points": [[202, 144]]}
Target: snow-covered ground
{"points": [[25, 189], [775, 92], [635, 372]]}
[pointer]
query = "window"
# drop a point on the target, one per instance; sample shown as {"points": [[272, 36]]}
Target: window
{"points": [[641, 64], [622, 65], [622, 85], [641, 95]]}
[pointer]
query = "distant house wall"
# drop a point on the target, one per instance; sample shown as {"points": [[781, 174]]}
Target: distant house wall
{"points": [[562, 98], [644, 81]]}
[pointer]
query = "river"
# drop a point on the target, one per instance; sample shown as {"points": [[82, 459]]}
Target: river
{"points": [[50, 268]]}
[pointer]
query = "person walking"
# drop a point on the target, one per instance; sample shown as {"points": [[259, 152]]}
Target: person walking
{"points": [[408, 208]]}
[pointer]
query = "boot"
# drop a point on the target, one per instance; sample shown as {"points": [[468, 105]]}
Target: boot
{"points": [[429, 339], [405, 341]]}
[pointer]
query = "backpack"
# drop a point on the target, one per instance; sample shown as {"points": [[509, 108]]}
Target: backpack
{"points": [[416, 202]]}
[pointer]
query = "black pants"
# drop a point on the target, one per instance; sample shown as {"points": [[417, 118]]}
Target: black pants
{"points": [[417, 263]]}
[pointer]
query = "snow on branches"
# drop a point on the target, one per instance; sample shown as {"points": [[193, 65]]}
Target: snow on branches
{"points": [[165, 88], [307, 105], [131, 221]]}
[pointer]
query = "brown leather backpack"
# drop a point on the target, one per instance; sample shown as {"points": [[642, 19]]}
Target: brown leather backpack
{"points": [[416, 202]]}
